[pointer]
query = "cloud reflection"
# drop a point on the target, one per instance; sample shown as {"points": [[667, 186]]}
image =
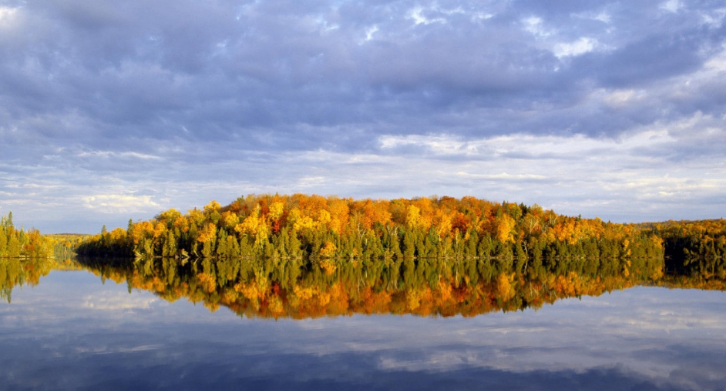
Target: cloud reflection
{"points": [[640, 338]]}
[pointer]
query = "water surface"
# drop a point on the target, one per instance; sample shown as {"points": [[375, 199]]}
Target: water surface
{"points": [[77, 331]]}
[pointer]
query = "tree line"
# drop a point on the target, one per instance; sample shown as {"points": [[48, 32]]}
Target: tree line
{"points": [[302, 226], [693, 247], [15, 243]]}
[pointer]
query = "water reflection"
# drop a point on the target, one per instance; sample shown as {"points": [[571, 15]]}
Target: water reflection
{"points": [[270, 288], [72, 332], [28, 271]]}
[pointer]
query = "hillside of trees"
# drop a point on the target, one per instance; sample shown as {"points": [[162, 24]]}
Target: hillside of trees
{"points": [[332, 231], [303, 256], [301, 226]]}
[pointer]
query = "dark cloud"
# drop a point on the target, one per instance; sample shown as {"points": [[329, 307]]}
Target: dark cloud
{"points": [[226, 68], [653, 58], [162, 89]]}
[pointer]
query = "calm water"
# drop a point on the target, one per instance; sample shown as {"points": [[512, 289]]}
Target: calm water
{"points": [[73, 331]]}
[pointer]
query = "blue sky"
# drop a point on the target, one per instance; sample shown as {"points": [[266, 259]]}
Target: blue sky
{"points": [[115, 110]]}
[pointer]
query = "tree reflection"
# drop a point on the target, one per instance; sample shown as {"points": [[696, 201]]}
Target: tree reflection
{"points": [[27, 272], [298, 289], [309, 288]]}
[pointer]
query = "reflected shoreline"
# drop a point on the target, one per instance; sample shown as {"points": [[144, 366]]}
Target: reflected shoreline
{"points": [[298, 289]]}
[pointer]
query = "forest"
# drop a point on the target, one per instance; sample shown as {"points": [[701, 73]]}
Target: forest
{"points": [[329, 227], [693, 246], [15, 243], [332, 232], [306, 256]]}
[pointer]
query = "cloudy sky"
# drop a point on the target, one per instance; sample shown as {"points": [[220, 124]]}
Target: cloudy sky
{"points": [[114, 110]]}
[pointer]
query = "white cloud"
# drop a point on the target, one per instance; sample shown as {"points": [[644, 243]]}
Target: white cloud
{"points": [[113, 154], [716, 63], [502, 176], [438, 144], [419, 18], [631, 171], [110, 301], [601, 16], [671, 6], [576, 48], [534, 25], [120, 203], [370, 31], [548, 147], [7, 15], [311, 181], [479, 16], [621, 98], [106, 350], [715, 18]]}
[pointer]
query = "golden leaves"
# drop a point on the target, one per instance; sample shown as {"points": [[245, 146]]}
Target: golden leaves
{"points": [[504, 226], [208, 233]]}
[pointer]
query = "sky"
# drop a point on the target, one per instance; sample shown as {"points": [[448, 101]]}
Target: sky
{"points": [[111, 111]]}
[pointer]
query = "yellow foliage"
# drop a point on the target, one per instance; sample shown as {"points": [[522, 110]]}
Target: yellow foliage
{"points": [[118, 234], [413, 300], [275, 305], [249, 291], [209, 232], [211, 306], [182, 224], [328, 266], [195, 216], [263, 232], [276, 210], [212, 207], [159, 230], [207, 282], [169, 215], [505, 290], [324, 217], [141, 230], [413, 217], [443, 224], [569, 285], [250, 225], [303, 223], [504, 226], [323, 298], [328, 249], [230, 295], [339, 212], [303, 293], [445, 290], [229, 220]]}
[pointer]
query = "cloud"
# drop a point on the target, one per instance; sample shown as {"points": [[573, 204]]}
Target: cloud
{"points": [[119, 203], [671, 6], [112, 154], [189, 96], [576, 48], [120, 301]]}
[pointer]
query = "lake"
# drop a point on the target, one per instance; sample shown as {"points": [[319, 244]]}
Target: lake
{"points": [[76, 327]]}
